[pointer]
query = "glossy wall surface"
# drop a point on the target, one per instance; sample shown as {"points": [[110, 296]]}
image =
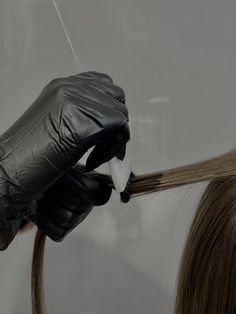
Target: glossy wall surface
{"points": [[176, 61]]}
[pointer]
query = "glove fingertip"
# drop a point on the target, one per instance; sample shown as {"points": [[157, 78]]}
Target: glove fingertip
{"points": [[95, 159], [121, 154], [90, 166]]}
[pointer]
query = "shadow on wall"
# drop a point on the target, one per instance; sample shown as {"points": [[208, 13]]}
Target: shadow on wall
{"points": [[82, 277]]}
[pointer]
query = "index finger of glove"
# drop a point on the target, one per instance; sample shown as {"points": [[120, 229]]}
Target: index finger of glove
{"points": [[95, 75]]}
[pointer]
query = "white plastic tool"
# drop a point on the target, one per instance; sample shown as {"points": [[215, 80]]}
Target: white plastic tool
{"points": [[120, 172]]}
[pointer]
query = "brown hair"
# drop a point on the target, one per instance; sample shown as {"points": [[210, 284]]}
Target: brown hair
{"points": [[37, 296], [207, 277]]}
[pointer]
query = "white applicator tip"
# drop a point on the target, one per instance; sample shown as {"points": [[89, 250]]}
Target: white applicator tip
{"points": [[120, 171]]}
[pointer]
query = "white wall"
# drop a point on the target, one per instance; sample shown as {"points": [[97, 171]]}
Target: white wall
{"points": [[176, 62]]}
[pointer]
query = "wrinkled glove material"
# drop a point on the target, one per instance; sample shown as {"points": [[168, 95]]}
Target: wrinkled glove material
{"points": [[70, 116]]}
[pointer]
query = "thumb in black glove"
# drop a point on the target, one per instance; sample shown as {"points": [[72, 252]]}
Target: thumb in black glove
{"points": [[69, 201]]}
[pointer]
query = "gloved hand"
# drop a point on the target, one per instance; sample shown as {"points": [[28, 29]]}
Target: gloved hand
{"points": [[70, 116], [68, 202]]}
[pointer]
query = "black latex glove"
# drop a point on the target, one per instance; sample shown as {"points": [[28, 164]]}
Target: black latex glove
{"points": [[70, 116], [68, 202]]}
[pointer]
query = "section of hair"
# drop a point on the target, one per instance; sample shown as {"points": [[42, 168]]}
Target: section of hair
{"points": [[219, 167], [37, 295], [207, 278]]}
